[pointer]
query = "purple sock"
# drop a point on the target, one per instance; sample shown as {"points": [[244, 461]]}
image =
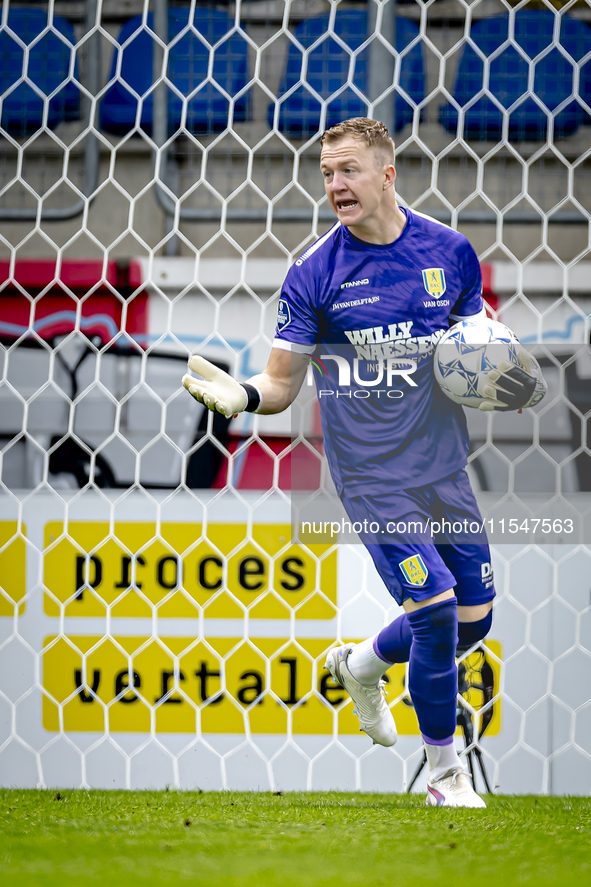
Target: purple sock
{"points": [[394, 641]]}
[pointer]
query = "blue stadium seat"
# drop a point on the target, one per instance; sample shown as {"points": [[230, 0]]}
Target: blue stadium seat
{"points": [[328, 69], [49, 65], [207, 110], [553, 81]]}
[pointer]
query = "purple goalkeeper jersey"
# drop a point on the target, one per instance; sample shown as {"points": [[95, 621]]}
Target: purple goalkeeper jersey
{"points": [[348, 302]]}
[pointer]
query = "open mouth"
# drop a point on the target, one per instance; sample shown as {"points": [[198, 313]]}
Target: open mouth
{"points": [[345, 205]]}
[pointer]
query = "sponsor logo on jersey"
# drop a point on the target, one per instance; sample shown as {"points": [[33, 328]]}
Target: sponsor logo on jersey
{"points": [[362, 282], [414, 570], [434, 281], [486, 574], [283, 314], [354, 302], [394, 340]]}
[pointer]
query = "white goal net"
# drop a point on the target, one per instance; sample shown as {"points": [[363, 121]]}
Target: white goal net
{"points": [[159, 625]]}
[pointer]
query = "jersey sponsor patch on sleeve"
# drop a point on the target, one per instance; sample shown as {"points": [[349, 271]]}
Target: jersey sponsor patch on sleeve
{"points": [[283, 314], [414, 569]]}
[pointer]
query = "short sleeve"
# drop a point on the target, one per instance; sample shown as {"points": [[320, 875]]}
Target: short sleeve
{"points": [[470, 300], [297, 319]]}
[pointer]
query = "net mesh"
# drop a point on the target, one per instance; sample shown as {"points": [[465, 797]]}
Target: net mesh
{"points": [[159, 172]]}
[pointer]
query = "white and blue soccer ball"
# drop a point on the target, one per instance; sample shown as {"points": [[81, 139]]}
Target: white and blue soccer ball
{"points": [[467, 352]]}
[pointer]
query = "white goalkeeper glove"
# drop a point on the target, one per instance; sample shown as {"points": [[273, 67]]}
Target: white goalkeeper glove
{"points": [[218, 391], [511, 387]]}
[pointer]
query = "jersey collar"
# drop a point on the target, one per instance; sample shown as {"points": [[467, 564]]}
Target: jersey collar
{"points": [[356, 243]]}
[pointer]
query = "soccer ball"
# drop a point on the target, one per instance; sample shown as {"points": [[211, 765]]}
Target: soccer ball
{"points": [[467, 352]]}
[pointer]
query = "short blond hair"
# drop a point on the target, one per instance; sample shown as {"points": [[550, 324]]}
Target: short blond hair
{"points": [[372, 133]]}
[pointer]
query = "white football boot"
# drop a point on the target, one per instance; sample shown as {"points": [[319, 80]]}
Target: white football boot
{"points": [[453, 790], [370, 704]]}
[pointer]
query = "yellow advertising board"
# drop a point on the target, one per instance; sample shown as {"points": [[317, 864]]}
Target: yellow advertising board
{"points": [[221, 685], [88, 566], [13, 558]]}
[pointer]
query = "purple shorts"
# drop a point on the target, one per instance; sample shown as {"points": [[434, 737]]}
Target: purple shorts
{"points": [[426, 540]]}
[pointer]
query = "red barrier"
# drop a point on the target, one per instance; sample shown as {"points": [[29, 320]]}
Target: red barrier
{"points": [[78, 297]]}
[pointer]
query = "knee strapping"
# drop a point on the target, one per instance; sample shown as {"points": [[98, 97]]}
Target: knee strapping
{"points": [[469, 633], [432, 674], [437, 627], [395, 640]]}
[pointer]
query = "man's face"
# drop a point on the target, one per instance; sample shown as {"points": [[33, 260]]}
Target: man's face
{"points": [[354, 179]]}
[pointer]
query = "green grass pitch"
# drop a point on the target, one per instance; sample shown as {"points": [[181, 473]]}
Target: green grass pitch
{"points": [[324, 839]]}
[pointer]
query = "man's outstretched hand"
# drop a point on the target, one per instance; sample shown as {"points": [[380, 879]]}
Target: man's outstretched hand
{"points": [[512, 387], [218, 391]]}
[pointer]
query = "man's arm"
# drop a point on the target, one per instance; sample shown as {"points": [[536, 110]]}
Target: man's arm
{"points": [[281, 380], [271, 391]]}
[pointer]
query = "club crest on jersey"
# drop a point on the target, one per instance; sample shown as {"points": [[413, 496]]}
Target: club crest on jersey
{"points": [[434, 281], [414, 569], [283, 314]]}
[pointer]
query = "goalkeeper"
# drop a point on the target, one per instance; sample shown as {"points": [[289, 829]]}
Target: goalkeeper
{"points": [[380, 287]]}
